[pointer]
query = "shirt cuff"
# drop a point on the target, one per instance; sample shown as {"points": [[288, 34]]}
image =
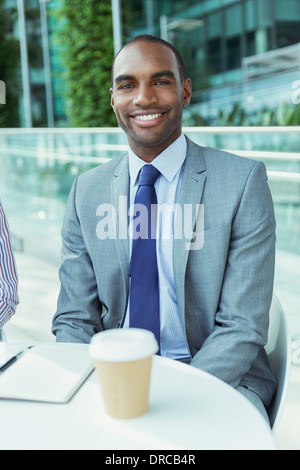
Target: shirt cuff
{"points": [[7, 310]]}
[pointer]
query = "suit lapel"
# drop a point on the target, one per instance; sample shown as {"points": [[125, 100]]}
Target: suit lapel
{"points": [[192, 186], [120, 201]]}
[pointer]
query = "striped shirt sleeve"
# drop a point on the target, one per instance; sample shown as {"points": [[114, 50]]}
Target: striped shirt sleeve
{"points": [[8, 273]]}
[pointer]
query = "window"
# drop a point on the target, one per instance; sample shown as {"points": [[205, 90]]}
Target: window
{"points": [[287, 17], [214, 58], [234, 30], [250, 43], [233, 47]]}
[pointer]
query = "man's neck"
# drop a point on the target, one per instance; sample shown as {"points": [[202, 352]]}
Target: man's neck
{"points": [[148, 154]]}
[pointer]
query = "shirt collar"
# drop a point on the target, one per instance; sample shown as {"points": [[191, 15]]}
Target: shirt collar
{"points": [[167, 162]]}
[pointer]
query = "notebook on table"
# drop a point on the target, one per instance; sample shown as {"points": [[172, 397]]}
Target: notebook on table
{"points": [[51, 372]]}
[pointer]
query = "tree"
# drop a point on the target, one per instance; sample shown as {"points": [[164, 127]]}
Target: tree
{"points": [[86, 38], [9, 68]]}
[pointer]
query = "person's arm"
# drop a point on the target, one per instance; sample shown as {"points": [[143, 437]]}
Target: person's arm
{"points": [[8, 273], [241, 322], [77, 317]]}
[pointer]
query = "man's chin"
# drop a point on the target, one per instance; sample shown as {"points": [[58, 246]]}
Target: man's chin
{"points": [[144, 138]]}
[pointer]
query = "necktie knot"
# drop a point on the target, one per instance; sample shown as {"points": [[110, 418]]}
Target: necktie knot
{"points": [[148, 175]]}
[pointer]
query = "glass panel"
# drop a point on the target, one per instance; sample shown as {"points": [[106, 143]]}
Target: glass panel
{"points": [[214, 57], [228, 2], [249, 15], [287, 33], [287, 10], [37, 171], [264, 12], [191, 44], [233, 46], [250, 43], [233, 20], [212, 4], [214, 25], [287, 15]]}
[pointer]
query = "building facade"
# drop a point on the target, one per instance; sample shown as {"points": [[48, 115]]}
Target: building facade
{"points": [[240, 54], [243, 57], [30, 26]]}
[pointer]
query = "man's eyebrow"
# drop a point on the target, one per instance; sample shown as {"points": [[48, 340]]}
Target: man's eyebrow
{"points": [[163, 73], [122, 78]]}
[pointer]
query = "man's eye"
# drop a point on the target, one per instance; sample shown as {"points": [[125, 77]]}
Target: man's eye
{"points": [[126, 86], [162, 82]]}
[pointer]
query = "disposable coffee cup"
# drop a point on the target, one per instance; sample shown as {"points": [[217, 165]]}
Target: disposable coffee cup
{"points": [[123, 360]]}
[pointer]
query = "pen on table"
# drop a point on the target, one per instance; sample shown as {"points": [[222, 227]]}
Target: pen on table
{"points": [[11, 361]]}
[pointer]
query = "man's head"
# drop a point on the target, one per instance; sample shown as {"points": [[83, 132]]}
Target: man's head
{"points": [[154, 40], [149, 91]]}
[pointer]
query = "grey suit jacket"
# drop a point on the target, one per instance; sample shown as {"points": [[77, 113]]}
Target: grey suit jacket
{"points": [[224, 289]]}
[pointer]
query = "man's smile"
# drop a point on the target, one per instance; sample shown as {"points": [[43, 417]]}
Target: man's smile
{"points": [[147, 118]]}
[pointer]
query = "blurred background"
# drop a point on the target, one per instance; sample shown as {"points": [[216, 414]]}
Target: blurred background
{"points": [[56, 121]]}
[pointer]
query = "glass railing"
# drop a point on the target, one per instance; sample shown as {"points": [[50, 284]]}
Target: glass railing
{"points": [[39, 166], [279, 149], [37, 171]]}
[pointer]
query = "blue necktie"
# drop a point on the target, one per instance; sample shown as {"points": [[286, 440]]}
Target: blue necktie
{"points": [[144, 293]]}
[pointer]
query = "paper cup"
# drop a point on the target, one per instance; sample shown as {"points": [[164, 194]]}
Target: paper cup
{"points": [[123, 361]]}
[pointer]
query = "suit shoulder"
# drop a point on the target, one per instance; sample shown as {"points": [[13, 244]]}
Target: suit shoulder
{"points": [[102, 172], [229, 157], [224, 160]]}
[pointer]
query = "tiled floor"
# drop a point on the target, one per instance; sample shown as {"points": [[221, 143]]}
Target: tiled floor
{"points": [[39, 287]]}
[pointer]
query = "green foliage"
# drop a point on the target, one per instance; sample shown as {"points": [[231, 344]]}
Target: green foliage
{"points": [[288, 115], [285, 115], [86, 38], [236, 117], [9, 63]]}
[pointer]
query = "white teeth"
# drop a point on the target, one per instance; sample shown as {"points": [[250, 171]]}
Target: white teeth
{"points": [[147, 117]]}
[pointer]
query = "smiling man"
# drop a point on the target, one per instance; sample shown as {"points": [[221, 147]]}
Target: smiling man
{"points": [[208, 305], [148, 102]]}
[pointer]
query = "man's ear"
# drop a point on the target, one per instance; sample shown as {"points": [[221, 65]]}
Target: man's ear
{"points": [[187, 92], [111, 98]]}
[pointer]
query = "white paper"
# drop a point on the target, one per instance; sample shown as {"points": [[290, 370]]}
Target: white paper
{"points": [[49, 372]]}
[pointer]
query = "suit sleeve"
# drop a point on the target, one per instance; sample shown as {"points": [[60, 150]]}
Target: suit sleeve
{"points": [[242, 319], [77, 317]]}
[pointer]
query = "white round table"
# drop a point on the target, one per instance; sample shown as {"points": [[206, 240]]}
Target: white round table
{"points": [[188, 410]]}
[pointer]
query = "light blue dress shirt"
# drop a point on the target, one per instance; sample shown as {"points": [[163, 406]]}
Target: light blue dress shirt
{"points": [[170, 163]]}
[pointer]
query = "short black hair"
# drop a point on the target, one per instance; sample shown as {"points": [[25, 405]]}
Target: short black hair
{"points": [[155, 40]]}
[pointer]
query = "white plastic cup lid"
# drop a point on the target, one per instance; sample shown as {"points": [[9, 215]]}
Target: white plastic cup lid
{"points": [[122, 345]]}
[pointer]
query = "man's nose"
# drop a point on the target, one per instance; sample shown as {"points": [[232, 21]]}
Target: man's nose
{"points": [[145, 96]]}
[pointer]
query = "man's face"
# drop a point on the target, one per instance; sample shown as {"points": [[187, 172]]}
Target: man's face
{"points": [[148, 96]]}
